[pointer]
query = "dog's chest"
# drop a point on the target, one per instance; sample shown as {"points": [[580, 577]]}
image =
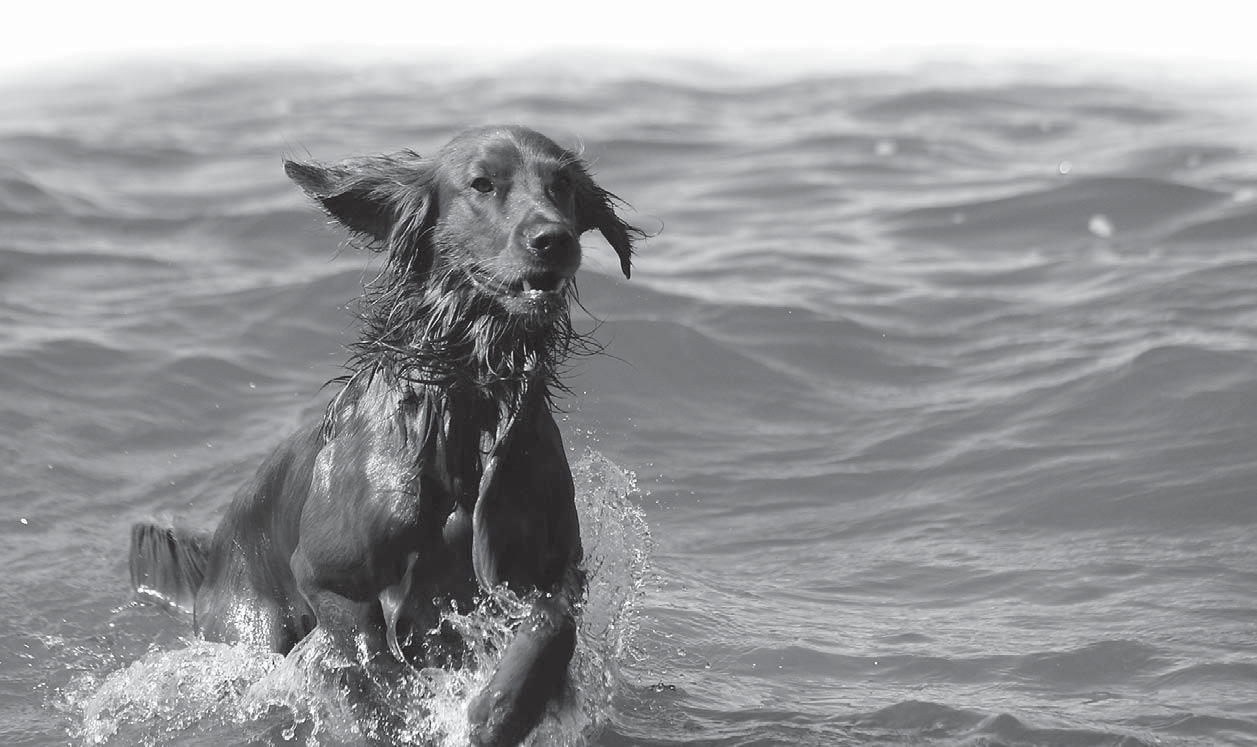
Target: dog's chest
{"points": [[451, 465]]}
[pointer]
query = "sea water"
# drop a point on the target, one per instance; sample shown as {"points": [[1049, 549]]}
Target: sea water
{"points": [[929, 415]]}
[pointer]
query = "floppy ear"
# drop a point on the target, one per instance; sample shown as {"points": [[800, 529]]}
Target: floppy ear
{"points": [[378, 197], [595, 209]]}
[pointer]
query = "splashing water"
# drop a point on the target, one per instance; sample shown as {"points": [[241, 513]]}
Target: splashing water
{"points": [[211, 693]]}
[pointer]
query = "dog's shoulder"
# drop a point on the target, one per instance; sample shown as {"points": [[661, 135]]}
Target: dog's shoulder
{"points": [[371, 487]]}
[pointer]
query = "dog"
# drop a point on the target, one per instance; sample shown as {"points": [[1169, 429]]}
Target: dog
{"points": [[437, 472]]}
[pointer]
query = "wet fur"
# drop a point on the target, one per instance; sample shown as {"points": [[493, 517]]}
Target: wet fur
{"points": [[438, 471]]}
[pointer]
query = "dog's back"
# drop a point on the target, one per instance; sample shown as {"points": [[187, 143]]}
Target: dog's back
{"points": [[237, 581]]}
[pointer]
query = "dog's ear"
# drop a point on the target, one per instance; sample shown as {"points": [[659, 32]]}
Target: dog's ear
{"points": [[376, 196], [595, 208]]}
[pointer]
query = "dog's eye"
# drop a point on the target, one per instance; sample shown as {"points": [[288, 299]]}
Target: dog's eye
{"points": [[482, 184], [559, 188]]}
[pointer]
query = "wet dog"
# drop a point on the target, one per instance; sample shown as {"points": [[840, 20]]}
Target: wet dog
{"points": [[438, 471]]}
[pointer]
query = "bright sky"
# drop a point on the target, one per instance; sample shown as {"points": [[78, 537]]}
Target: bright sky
{"points": [[39, 32]]}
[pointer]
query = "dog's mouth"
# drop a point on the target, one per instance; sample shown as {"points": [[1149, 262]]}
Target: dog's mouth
{"points": [[538, 285], [541, 293]]}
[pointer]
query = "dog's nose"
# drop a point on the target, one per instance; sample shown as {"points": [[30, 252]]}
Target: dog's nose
{"points": [[551, 241]]}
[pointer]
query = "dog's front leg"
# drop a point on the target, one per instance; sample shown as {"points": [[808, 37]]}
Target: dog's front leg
{"points": [[532, 670], [354, 528], [354, 626], [362, 667]]}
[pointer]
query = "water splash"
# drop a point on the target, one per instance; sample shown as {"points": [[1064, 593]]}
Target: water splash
{"points": [[210, 693], [1100, 225], [167, 692]]}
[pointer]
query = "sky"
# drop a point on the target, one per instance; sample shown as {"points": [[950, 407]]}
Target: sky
{"points": [[38, 34]]}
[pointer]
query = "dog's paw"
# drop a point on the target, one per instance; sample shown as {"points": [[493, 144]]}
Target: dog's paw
{"points": [[490, 717]]}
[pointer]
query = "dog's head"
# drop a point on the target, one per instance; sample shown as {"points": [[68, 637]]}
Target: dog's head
{"points": [[501, 208]]}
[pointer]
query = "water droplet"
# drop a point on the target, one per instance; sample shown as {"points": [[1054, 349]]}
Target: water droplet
{"points": [[1100, 225]]}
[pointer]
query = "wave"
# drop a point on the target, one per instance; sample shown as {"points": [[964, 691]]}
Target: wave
{"points": [[923, 722], [910, 722], [1232, 225], [1084, 208]]}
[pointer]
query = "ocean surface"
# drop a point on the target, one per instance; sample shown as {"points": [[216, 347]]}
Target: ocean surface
{"points": [[929, 416]]}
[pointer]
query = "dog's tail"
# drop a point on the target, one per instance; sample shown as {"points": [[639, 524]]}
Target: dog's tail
{"points": [[168, 563]]}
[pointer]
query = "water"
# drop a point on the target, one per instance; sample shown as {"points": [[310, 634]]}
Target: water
{"points": [[928, 416]]}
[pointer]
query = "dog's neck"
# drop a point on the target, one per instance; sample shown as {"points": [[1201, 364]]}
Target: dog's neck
{"points": [[450, 345], [456, 371], [458, 339]]}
